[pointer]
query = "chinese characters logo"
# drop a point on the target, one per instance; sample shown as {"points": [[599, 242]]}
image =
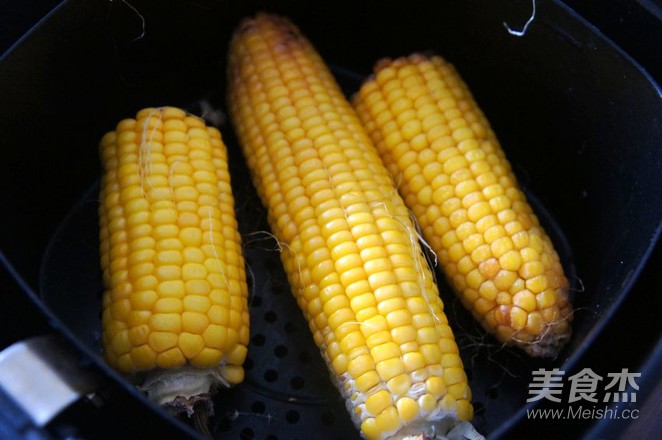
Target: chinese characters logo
{"points": [[584, 385]]}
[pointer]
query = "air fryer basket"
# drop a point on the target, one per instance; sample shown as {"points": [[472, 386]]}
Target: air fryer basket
{"points": [[577, 118]]}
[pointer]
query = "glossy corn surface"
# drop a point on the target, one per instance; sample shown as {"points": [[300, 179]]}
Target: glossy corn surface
{"points": [[349, 246], [175, 288], [455, 178]]}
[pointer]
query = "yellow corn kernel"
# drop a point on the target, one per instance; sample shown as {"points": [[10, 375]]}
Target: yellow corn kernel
{"points": [[534, 323], [408, 409], [388, 420], [435, 385], [525, 300], [370, 429], [158, 304], [379, 401], [332, 203], [367, 380], [390, 368], [190, 344], [427, 402], [490, 221], [399, 385]]}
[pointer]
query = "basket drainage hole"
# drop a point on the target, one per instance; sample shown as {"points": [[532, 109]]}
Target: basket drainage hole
{"points": [[256, 301], [328, 418], [292, 416], [271, 375], [270, 316], [248, 364], [247, 434], [258, 407], [492, 392], [280, 351], [271, 437], [297, 382], [258, 340]]}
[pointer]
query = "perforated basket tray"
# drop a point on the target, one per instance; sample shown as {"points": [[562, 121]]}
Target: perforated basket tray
{"points": [[287, 387]]}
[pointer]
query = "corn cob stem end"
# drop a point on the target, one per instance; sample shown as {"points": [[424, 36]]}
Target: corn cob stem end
{"points": [[447, 428], [190, 406], [546, 347], [183, 391]]}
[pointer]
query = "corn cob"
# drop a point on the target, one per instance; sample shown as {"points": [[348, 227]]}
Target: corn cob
{"points": [[455, 178], [175, 300], [349, 246]]}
